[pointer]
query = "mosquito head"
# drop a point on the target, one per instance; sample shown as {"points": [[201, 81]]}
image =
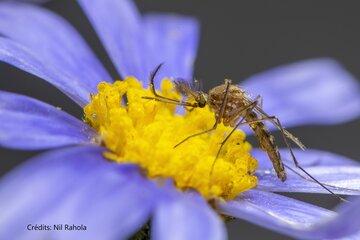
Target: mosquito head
{"points": [[201, 99]]}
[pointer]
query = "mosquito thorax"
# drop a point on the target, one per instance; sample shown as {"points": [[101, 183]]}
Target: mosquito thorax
{"points": [[235, 100]]}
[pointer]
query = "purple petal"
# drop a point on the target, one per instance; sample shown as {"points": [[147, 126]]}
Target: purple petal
{"points": [[293, 217], [307, 158], [138, 45], [57, 54], [27, 123], [22, 58], [340, 179], [74, 186], [317, 91], [186, 217], [172, 40], [118, 25], [328, 168]]}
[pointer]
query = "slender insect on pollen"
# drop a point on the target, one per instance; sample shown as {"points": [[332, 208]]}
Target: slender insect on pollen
{"points": [[234, 108]]}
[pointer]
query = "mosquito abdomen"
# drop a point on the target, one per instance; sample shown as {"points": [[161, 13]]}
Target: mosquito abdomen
{"points": [[267, 144]]}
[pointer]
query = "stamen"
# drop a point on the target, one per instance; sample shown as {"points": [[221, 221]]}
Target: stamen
{"points": [[144, 132]]}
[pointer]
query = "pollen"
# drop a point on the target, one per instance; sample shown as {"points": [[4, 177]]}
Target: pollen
{"points": [[144, 132]]}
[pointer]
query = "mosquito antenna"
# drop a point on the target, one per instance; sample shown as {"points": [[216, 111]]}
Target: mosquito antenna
{"points": [[160, 98], [153, 74]]}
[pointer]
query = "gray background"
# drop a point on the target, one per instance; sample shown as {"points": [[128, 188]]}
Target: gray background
{"points": [[239, 38]]}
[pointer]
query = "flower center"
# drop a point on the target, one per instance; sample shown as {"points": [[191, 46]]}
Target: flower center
{"points": [[144, 132]]}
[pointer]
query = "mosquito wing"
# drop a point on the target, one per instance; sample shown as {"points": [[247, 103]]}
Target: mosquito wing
{"points": [[185, 88], [197, 85], [287, 134]]}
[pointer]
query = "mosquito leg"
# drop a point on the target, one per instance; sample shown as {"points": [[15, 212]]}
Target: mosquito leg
{"points": [[218, 118], [307, 179], [236, 113], [297, 163], [260, 102], [282, 130], [223, 104], [197, 134], [247, 108], [250, 106], [288, 146]]}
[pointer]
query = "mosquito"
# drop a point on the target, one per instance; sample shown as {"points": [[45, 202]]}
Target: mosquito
{"points": [[234, 108]]}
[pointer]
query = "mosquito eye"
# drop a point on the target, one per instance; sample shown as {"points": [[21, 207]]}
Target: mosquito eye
{"points": [[202, 104]]}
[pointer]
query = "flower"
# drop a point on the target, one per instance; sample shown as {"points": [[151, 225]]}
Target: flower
{"points": [[75, 185]]}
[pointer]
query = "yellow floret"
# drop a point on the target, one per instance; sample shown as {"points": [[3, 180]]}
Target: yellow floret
{"points": [[144, 132]]}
